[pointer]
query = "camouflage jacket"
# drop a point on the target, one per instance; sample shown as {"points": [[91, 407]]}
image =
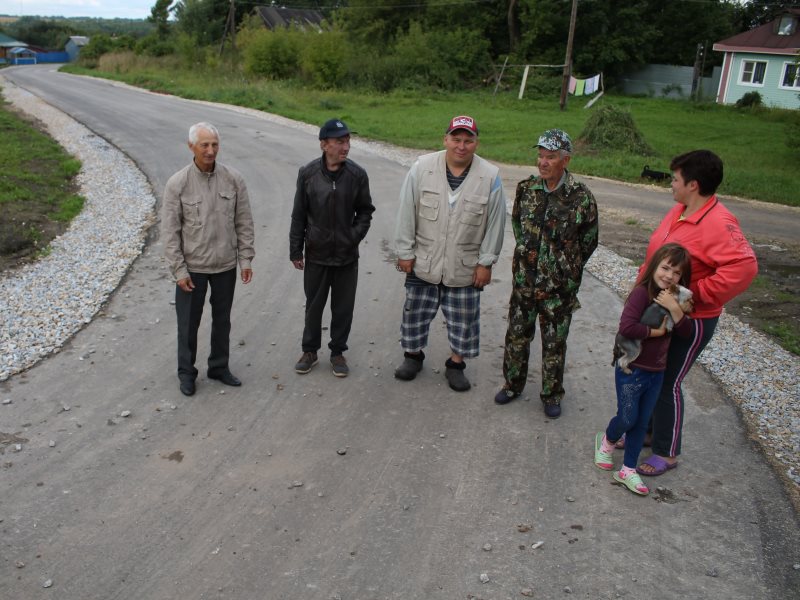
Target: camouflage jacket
{"points": [[555, 233]]}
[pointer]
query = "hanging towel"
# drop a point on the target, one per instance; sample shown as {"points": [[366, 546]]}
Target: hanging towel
{"points": [[592, 84], [579, 87], [572, 83]]}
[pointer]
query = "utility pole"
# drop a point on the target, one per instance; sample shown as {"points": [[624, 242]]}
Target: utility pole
{"points": [[697, 72], [568, 59], [230, 27]]}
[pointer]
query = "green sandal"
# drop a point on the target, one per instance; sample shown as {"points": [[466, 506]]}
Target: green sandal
{"points": [[602, 460], [633, 482]]}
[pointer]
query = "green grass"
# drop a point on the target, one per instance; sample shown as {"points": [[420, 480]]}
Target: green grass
{"points": [[758, 163], [786, 336], [35, 186]]}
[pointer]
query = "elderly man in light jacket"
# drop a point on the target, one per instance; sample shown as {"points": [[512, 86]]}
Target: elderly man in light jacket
{"points": [[207, 228]]}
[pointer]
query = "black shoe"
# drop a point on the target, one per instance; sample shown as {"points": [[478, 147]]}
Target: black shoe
{"points": [[187, 387], [552, 410], [226, 377], [412, 364], [505, 396], [454, 372]]}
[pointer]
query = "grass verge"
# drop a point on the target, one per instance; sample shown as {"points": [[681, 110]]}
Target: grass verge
{"points": [[37, 188]]}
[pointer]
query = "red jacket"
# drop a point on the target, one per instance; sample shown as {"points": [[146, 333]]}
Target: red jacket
{"points": [[723, 263]]}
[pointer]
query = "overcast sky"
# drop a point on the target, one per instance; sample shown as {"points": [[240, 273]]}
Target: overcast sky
{"points": [[106, 9]]}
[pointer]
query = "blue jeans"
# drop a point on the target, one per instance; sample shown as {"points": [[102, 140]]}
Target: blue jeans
{"points": [[636, 396]]}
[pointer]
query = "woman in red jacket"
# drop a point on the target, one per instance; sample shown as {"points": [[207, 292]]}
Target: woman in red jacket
{"points": [[723, 265]]}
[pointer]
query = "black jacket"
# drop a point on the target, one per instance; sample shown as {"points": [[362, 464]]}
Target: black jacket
{"points": [[330, 216]]}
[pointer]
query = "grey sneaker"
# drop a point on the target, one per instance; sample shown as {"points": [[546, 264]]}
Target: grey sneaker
{"points": [[339, 365], [306, 362]]}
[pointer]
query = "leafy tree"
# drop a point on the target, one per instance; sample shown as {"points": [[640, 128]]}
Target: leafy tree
{"points": [[159, 16], [204, 20]]}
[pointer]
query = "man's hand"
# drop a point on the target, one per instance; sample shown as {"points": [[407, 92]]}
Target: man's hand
{"points": [[481, 277], [247, 275], [298, 264], [406, 266], [186, 284]]}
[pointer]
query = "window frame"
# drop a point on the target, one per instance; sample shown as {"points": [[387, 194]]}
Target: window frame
{"points": [[754, 62], [796, 85], [787, 25]]}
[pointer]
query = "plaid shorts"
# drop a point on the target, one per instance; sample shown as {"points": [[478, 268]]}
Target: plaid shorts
{"points": [[461, 307]]}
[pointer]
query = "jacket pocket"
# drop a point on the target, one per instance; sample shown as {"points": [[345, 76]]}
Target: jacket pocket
{"points": [[192, 212], [429, 205], [474, 209], [227, 203], [422, 263]]}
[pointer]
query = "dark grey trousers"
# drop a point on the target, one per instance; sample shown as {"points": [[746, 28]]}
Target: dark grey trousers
{"points": [[341, 282], [189, 309]]}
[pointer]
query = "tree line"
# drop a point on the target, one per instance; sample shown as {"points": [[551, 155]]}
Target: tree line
{"points": [[388, 44]]}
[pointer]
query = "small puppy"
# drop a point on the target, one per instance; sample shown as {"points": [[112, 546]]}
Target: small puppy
{"points": [[626, 350], [654, 175]]}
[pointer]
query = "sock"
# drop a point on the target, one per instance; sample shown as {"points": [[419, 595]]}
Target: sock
{"points": [[625, 471], [606, 446]]}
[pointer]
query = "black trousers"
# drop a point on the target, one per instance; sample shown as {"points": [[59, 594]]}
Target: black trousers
{"points": [[342, 282], [189, 309]]}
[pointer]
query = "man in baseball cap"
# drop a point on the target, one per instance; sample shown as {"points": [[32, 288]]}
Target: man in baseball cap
{"points": [[331, 215], [448, 235], [555, 224]]}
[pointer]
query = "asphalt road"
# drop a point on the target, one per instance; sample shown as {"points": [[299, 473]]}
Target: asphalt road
{"points": [[198, 497]]}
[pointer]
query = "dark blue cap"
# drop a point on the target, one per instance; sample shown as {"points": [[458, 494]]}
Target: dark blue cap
{"points": [[333, 129]]}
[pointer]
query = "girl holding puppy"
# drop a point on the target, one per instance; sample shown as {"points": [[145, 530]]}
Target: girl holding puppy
{"points": [[638, 391]]}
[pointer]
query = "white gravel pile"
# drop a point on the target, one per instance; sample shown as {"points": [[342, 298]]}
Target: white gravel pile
{"points": [[43, 304]]}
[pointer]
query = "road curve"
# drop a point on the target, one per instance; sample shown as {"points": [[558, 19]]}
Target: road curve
{"points": [[243, 493]]}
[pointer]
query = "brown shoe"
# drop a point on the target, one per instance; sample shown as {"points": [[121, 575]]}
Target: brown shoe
{"points": [[306, 362], [339, 365]]}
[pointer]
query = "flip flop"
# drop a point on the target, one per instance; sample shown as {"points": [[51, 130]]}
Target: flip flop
{"points": [[658, 464], [602, 460]]}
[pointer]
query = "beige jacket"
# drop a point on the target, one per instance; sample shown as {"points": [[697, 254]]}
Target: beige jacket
{"points": [[448, 241], [206, 224]]}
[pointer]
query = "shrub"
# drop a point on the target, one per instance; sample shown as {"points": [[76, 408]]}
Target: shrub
{"points": [[272, 54], [324, 58], [750, 100], [447, 58], [152, 45], [612, 128]]}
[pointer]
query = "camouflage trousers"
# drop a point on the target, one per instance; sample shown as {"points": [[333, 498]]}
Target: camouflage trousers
{"points": [[555, 316]]}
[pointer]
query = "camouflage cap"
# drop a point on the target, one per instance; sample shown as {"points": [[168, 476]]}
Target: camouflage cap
{"points": [[555, 139]]}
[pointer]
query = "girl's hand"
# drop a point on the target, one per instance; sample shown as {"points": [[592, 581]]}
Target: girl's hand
{"points": [[661, 330], [669, 302]]}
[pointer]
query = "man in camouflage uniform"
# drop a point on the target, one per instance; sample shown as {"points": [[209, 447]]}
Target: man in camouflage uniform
{"points": [[555, 227]]}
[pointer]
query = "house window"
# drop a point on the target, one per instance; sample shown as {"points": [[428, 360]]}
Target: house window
{"points": [[787, 25], [753, 72], [791, 76]]}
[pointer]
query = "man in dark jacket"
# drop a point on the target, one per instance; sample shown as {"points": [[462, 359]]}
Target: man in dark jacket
{"points": [[332, 212]]}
